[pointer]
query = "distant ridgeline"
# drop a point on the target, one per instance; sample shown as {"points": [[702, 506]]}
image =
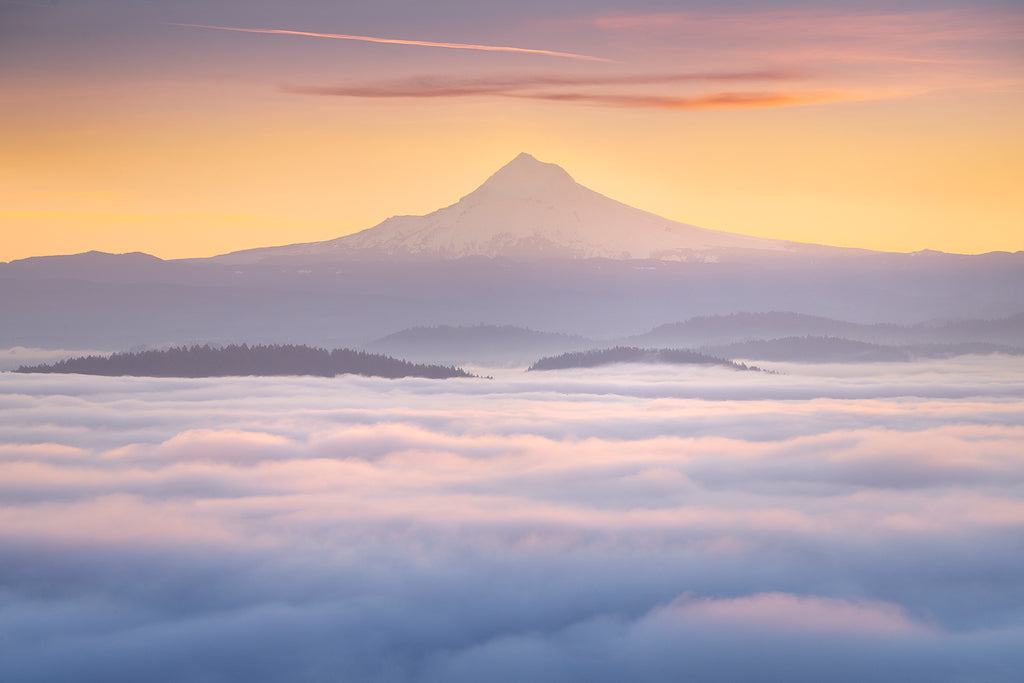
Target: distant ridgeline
{"points": [[633, 354], [242, 360]]}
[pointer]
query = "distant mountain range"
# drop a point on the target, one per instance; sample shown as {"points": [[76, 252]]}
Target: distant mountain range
{"points": [[482, 344], [839, 350], [755, 336], [714, 330]]}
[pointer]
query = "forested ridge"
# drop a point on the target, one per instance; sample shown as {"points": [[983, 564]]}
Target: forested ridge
{"points": [[817, 349], [242, 360], [632, 354]]}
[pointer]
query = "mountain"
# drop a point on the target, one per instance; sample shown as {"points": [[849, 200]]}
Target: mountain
{"points": [[527, 210], [91, 265], [710, 330], [483, 344], [839, 350], [721, 330]]}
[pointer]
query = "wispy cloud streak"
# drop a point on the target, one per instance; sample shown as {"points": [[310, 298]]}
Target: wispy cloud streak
{"points": [[445, 86], [555, 88], [718, 100], [396, 41]]}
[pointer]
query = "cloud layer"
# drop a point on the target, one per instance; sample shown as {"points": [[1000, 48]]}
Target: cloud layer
{"points": [[623, 525]]}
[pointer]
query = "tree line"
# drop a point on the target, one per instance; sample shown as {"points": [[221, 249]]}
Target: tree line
{"points": [[242, 360], [631, 354]]}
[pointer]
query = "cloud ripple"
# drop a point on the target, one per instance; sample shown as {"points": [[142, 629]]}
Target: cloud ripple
{"points": [[309, 529]]}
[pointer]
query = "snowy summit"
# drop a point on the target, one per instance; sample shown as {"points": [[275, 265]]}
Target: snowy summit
{"points": [[528, 209]]}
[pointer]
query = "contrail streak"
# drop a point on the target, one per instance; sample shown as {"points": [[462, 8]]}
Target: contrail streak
{"points": [[395, 41]]}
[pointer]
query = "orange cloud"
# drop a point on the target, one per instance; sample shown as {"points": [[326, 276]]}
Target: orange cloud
{"points": [[395, 41], [553, 88], [445, 86], [718, 100]]}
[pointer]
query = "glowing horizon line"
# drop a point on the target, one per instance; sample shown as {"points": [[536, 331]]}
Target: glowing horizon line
{"points": [[396, 41]]}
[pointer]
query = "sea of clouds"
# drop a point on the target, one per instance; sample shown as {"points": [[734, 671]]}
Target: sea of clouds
{"points": [[839, 523]]}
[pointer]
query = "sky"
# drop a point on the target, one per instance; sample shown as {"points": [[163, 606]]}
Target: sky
{"points": [[605, 525], [193, 128]]}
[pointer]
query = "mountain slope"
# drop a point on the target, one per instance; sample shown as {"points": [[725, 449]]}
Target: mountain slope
{"points": [[527, 210], [485, 344], [839, 350], [719, 330]]}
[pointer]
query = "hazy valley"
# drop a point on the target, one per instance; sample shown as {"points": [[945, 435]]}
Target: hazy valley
{"points": [[474, 263]]}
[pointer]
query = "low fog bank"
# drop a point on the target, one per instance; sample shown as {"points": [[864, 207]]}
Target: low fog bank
{"points": [[121, 302], [629, 523]]}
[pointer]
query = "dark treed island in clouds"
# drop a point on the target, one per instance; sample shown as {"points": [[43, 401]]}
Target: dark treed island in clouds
{"points": [[244, 360], [630, 354], [462, 342]]}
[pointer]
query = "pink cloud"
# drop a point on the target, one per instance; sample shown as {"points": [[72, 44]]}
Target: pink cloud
{"points": [[564, 88], [900, 52], [787, 613], [39, 451], [907, 29], [114, 518], [703, 102]]}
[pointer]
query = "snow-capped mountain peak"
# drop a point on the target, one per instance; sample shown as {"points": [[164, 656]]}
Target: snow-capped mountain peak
{"points": [[524, 176], [528, 209]]}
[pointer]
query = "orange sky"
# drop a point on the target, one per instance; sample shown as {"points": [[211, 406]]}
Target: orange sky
{"points": [[886, 130]]}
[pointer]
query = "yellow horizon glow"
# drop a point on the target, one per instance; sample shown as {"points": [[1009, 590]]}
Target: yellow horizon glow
{"points": [[193, 165], [219, 187]]}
